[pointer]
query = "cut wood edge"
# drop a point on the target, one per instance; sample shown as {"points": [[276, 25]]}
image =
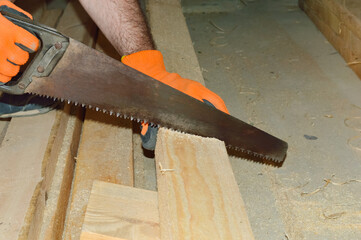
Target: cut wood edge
{"points": [[197, 193], [122, 212]]}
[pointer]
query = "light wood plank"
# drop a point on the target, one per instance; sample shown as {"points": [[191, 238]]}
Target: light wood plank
{"points": [[198, 195], [200, 198], [21, 157], [172, 38], [122, 212], [51, 204], [105, 151], [38, 161]]}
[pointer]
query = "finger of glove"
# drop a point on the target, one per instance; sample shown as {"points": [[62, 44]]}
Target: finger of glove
{"points": [[17, 56], [25, 40], [215, 100], [12, 8], [4, 79], [8, 69]]}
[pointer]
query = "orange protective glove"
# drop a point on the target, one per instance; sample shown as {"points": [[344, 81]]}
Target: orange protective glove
{"points": [[150, 62], [15, 43]]}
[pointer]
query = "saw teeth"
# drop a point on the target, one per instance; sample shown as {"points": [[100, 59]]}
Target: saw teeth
{"points": [[118, 114]]}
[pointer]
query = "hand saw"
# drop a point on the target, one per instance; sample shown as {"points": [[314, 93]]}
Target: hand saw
{"points": [[67, 70]]}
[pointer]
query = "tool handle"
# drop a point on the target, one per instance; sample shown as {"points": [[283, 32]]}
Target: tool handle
{"points": [[52, 47]]}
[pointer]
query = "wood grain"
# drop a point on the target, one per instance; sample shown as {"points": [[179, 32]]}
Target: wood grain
{"points": [[96, 236], [198, 195], [34, 138], [340, 22], [105, 150], [21, 159], [122, 212]]}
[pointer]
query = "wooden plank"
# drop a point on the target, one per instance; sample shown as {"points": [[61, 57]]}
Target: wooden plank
{"points": [[121, 212], [25, 210], [21, 156], [200, 198], [340, 22], [52, 201], [104, 154], [198, 195], [172, 38], [105, 151]]}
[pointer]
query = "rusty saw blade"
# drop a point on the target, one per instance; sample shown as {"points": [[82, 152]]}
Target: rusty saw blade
{"points": [[68, 70], [86, 76]]}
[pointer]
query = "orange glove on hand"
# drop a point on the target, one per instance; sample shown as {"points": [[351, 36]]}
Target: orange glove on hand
{"points": [[15, 43], [150, 62]]}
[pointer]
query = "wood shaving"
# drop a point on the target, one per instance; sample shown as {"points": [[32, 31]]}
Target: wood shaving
{"points": [[164, 170], [353, 63], [355, 142], [221, 29], [214, 25], [333, 216], [327, 182], [348, 123]]}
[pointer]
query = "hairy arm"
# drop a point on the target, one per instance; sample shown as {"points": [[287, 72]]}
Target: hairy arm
{"points": [[122, 22]]}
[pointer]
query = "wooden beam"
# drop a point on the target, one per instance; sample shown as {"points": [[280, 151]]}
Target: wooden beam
{"points": [[105, 151], [34, 138], [21, 156], [340, 22], [121, 212], [198, 195], [52, 201], [172, 38]]}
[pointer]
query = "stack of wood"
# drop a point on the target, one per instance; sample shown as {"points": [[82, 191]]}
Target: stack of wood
{"points": [[68, 174]]}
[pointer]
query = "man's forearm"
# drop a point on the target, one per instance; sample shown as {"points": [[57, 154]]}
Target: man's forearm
{"points": [[122, 22]]}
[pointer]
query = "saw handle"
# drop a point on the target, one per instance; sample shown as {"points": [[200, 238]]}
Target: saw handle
{"points": [[52, 47]]}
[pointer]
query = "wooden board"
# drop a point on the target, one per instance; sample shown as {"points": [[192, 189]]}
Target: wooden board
{"points": [[172, 38], [340, 22], [198, 195], [52, 201], [21, 157], [121, 212], [189, 196], [105, 150], [26, 148]]}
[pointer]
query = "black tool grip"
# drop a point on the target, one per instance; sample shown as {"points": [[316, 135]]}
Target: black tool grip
{"points": [[52, 47]]}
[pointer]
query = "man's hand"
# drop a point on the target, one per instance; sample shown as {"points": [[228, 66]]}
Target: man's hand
{"points": [[15, 43], [150, 62]]}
